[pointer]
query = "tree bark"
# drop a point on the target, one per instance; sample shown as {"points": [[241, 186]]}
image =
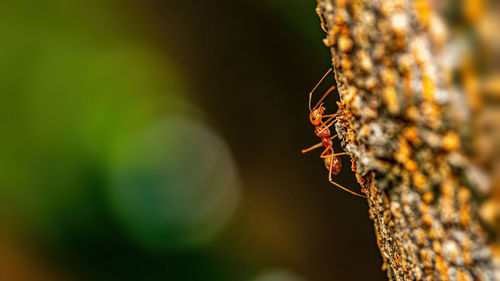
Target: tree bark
{"points": [[405, 125]]}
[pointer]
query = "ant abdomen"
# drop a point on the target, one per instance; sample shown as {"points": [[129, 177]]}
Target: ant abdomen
{"points": [[334, 163]]}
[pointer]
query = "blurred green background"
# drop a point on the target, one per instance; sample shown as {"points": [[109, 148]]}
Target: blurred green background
{"points": [[160, 140]]}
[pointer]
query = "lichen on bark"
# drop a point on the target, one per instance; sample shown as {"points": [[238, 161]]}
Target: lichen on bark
{"points": [[405, 125]]}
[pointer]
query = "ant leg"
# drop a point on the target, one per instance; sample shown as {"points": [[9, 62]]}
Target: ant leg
{"points": [[325, 151], [336, 154], [310, 93], [338, 185], [312, 147], [336, 116], [329, 115], [326, 126], [316, 145]]}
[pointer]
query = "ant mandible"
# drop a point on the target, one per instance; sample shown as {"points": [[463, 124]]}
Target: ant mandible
{"points": [[316, 116]]}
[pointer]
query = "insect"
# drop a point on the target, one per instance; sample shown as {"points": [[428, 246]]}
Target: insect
{"points": [[322, 130]]}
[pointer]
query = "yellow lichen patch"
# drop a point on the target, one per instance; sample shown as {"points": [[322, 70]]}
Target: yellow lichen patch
{"points": [[389, 7], [451, 141], [447, 204], [329, 41], [428, 197], [403, 152], [491, 86], [323, 25], [471, 85], [344, 43], [388, 76], [396, 258], [404, 263], [350, 94], [420, 237], [466, 250], [407, 88], [437, 247], [349, 76], [424, 11], [357, 8], [346, 64], [400, 42], [365, 131], [426, 216], [429, 88], [467, 257], [463, 198], [447, 211], [495, 249], [463, 275], [391, 99], [438, 31], [399, 24], [351, 136], [411, 134], [340, 16], [419, 180], [396, 210], [379, 51], [370, 113], [411, 165], [463, 195], [360, 180], [412, 113], [371, 83], [447, 188], [365, 60], [426, 256], [489, 211], [442, 268], [406, 62], [472, 10], [464, 215], [432, 113], [340, 3], [420, 51], [387, 216], [452, 251], [437, 232]]}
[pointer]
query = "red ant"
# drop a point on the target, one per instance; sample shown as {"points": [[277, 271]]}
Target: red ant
{"points": [[332, 161]]}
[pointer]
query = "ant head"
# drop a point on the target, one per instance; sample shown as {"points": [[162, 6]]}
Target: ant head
{"points": [[315, 115]]}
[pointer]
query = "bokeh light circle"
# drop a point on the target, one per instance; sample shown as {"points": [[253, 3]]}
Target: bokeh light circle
{"points": [[173, 185], [278, 275]]}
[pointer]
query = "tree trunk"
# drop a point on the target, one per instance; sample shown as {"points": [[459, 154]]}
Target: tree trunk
{"points": [[406, 127]]}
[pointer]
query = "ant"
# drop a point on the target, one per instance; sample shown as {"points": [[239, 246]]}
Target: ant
{"points": [[316, 116]]}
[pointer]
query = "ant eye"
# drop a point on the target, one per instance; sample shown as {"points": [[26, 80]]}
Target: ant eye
{"points": [[314, 118]]}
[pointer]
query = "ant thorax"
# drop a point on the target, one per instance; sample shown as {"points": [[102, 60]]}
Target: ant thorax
{"points": [[322, 132]]}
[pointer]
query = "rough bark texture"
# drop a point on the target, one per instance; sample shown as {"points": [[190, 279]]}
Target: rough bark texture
{"points": [[405, 125]]}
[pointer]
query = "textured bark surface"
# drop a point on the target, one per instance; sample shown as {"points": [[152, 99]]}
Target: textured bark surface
{"points": [[406, 127]]}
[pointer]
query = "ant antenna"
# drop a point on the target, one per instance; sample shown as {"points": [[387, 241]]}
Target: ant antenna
{"points": [[310, 93], [324, 96]]}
